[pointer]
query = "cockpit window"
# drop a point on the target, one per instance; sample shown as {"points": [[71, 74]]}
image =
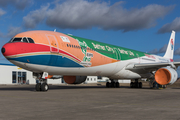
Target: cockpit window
{"points": [[24, 39], [31, 40], [16, 40], [11, 40]]}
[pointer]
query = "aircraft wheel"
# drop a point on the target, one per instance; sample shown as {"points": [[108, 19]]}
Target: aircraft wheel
{"points": [[140, 84], [107, 84], [155, 85], [117, 84], [164, 87], [44, 87], [112, 84], [136, 85], [38, 87], [132, 84]]}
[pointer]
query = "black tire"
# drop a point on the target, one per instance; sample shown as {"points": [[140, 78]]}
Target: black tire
{"points": [[112, 84], [164, 86], [154, 85], [136, 85], [107, 84], [132, 85], [38, 87], [140, 84], [44, 87], [117, 84]]}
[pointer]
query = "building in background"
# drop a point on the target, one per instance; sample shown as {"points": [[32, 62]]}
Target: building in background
{"points": [[11, 74]]}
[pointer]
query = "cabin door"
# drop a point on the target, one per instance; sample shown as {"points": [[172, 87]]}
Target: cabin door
{"points": [[53, 49], [118, 55], [53, 43], [139, 59]]}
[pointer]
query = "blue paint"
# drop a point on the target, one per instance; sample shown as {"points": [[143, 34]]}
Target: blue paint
{"points": [[49, 60]]}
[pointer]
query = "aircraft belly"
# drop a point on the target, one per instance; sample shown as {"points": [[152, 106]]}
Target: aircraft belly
{"points": [[103, 70], [125, 74], [59, 67]]}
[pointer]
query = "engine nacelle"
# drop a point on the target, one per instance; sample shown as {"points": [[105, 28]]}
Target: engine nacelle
{"points": [[164, 76], [74, 79]]}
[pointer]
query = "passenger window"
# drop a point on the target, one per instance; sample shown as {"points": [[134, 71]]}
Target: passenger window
{"points": [[25, 40], [31, 40]]}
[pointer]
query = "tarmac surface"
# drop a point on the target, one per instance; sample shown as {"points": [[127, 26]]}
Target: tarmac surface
{"points": [[88, 102]]}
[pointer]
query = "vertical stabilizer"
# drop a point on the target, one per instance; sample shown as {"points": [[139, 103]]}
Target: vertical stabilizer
{"points": [[170, 49]]}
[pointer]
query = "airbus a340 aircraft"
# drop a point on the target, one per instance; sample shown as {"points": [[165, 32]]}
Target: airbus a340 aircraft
{"points": [[51, 54]]}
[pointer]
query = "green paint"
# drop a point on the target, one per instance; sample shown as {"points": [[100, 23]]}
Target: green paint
{"points": [[84, 46], [112, 51]]}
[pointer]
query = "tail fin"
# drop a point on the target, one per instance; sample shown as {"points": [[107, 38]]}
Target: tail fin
{"points": [[170, 49]]}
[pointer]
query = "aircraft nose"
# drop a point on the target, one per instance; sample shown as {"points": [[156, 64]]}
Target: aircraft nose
{"points": [[8, 49]]}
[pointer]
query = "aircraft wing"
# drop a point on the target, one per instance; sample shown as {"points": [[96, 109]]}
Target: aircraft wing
{"points": [[149, 67]]}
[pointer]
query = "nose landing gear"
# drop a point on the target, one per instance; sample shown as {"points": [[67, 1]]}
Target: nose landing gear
{"points": [[42, 86]]}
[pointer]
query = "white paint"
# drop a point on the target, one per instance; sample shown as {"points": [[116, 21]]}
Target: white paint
{"points": [[65, 39]]}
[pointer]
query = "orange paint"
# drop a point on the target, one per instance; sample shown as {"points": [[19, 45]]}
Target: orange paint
{"points": [[162, 76], [69, 79], [54, 39], [49, 76]]}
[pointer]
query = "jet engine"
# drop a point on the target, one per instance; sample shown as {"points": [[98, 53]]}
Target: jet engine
{"points": [[74, 79], [164, 76]]}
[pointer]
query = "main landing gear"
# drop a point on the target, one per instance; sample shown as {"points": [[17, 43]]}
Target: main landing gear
{"points": [[112, 84], [155, 85], [136, 84], [42, 85]]}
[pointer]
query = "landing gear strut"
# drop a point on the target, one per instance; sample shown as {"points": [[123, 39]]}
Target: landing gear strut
{"points": [[136, 84], [153, 84], [42, 86], [112, 84]]}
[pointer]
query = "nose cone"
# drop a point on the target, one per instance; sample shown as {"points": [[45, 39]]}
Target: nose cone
{"points": [[3, 50], [8, 49]]}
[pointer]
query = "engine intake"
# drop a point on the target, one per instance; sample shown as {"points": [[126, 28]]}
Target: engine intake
{"points": [[165, 76], [74, 79]]}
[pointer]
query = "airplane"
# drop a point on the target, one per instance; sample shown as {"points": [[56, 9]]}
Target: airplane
{"points": [[50, 54]]}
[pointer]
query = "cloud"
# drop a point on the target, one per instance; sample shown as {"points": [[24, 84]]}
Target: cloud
{"points": [[161, 50], [19, 4], [2, 12], [35, 17], [177, 60], [177, 51], [154, 51], [174, 25], [12, 31], [83, 14]]}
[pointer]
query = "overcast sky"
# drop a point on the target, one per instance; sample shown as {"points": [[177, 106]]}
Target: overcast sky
{"points": [[137, 24]]}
